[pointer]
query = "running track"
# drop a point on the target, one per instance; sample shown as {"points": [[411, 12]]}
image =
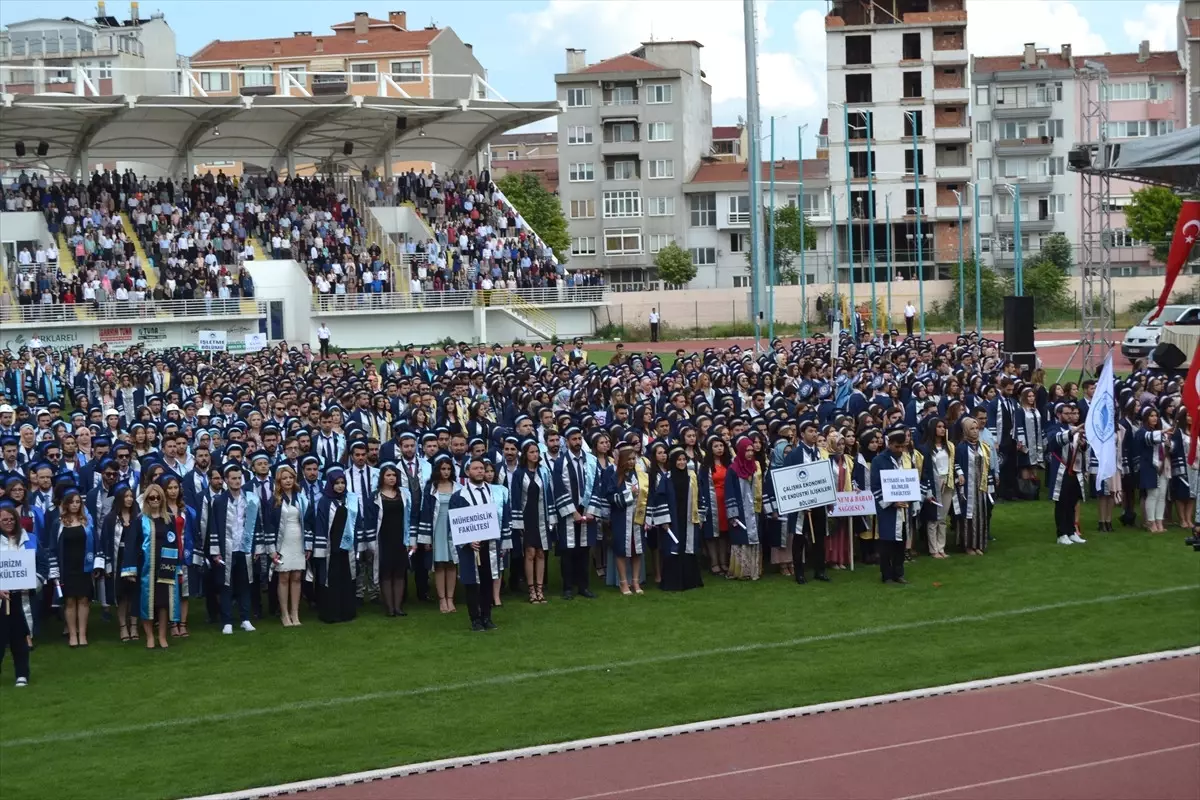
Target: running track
{"points": [[1123, 733]]}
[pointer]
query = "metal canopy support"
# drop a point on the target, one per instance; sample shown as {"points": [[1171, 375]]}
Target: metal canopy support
{"points": [[1095, 257]]}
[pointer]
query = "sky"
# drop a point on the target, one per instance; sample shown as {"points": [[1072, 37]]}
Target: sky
{"points": [[522, 43]]}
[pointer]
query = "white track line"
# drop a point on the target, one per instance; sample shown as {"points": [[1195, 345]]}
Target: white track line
{"points": [[1055, 771], [695, 727], [733, 773], [1138, 706], [557, 672]]}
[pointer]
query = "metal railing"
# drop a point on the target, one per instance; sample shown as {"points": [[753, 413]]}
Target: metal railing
{"points": [[128, 310], [521, 299]]}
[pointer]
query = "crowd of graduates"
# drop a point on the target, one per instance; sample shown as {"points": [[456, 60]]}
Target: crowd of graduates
{"points": [[276, 483]]}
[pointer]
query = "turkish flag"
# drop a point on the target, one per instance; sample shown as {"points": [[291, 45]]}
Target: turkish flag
{"points": [[1187, 231], [1191, 401]]}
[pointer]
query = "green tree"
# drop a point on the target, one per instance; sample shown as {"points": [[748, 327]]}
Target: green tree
{"points": [[1151, 217], [991, 293], [787, 243], [675, 265], [540, 208], [1057, 250], [1048, 284]]}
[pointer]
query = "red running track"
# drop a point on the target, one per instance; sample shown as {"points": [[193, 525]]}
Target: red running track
{"points": [[1129, 733]]}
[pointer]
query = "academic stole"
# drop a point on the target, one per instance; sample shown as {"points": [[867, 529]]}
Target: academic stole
{"points": [[576, 491]]}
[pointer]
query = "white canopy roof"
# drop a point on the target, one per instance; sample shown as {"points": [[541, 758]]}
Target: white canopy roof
{"points": [[163, 131]]}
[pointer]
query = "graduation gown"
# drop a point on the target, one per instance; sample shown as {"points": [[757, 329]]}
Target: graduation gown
{"points": [[466, 497], [571, 497]]}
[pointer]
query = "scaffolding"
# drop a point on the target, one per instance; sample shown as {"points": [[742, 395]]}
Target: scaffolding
{"points": [[1096, 238]]}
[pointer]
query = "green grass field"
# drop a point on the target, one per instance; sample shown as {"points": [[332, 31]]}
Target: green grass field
{"points": [[220, 713]]}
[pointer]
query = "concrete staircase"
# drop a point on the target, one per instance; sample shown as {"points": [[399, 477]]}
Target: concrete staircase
{"points": [[66, 256], [151, 270]]}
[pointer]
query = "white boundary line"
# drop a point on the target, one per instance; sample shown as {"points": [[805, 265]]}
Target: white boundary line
{"points": [[1118, 704], [695, 727], [579, 669]]}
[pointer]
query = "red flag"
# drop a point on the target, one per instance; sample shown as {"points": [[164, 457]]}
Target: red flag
{"points": [[1187, 230], [1191, 401]]}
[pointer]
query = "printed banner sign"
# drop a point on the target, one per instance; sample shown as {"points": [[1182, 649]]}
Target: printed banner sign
{"points": [[18, 570], [473, 524], [900, 485], [255, 342], [211, 341], [804, 486], [853, 504]]}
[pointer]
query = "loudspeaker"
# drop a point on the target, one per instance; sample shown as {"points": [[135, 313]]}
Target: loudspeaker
{"points": [[401, 124], [1018, 324], [20, 148], [348, 149], [1169, 357], [43, 147]]}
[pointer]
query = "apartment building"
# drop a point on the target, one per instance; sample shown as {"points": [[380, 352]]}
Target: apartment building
{"points": [[718, 218], [102, 55], [729, 142], [897, 71], [1028, 114], [526, 152], [633, 130], [363, 56], [1188, 45]]}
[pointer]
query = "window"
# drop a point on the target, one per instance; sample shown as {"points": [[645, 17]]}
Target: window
{"points": [[703, 210], [660, 206], [985, 206], [1132, 129], [299, 74], [627, 203], [583, 209], [812, 204], [1057, 166], [858, 164], [912, 84], [104, 68], [908, 162], [364, 73], [739, 242], [621, 96], [1012, 168], [1013, 130], [257, 76], [741, 281], [577, 98], [913, 201], [983, 131], [583, 246], [1160, 91], [985, 244], [860, 122], [579, 134], [512, 155], [822, 142], [1058, 204], [620, 132], [704, 256], [661, 168], [660, 240], [660, 132], [739, 209], [858, 88], [657, 93], [1128, 91], [214, 81], [622, 241], [983, 168], [1049, 92], [1051, 127], [621, 170], [585, 171], [912, 47], [1124, 238], [406, 71], [858, 49], [981, 94], [914, 123], [1162, 127]]}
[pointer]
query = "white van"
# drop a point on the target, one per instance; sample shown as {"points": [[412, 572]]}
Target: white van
{"points": [[1142, 338]]}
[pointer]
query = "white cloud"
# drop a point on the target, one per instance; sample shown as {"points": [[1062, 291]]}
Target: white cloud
{"points": [[1157, 24], [792, 75], [995, 28]]}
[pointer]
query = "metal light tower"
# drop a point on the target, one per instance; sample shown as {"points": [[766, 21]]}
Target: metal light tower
{"points": [[800, 203], [756, 239]]}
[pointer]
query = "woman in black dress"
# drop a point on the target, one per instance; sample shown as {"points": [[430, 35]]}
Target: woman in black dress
{"points": [[335, 523], [393, 543], [79, 563], [121, 529]]}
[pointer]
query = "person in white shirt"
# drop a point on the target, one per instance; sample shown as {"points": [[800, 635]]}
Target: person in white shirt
{"points": [[910, 313], [323, 336], [654, 324]]}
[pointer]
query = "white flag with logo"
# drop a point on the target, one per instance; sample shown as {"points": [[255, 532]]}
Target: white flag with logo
{"points": [[1101, 425]]}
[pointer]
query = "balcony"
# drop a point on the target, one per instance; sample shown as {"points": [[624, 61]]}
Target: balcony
{"points": [[1021, 109], [621, 148], [953, 173], [1030, 223], [950, 213], [952, 96], [952, 135], [1040, 185], [1031, 146], [612, 112], [950, 58]]}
